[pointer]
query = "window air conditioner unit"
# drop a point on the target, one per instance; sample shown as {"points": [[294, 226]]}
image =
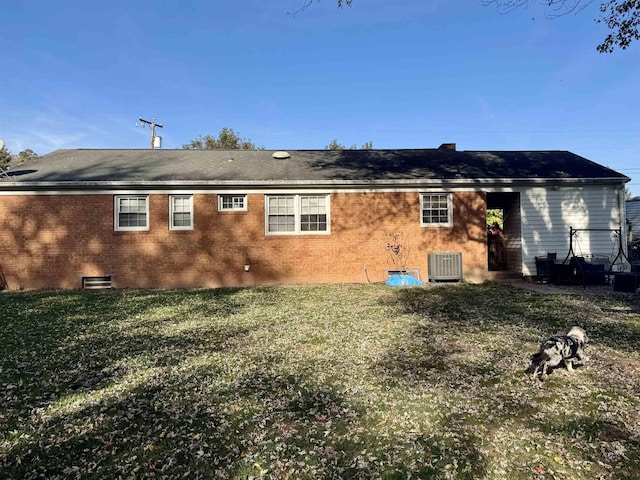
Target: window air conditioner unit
{"points": [[445, 267]]}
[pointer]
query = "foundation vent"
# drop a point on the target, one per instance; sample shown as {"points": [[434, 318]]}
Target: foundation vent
{"points": [[96, 283], [445, 267]]}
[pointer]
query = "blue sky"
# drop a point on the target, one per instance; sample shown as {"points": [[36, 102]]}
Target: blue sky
{"points": [[401, 74]]}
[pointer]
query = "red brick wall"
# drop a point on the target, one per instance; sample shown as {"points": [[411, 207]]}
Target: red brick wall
{"points": [[51, 241]]}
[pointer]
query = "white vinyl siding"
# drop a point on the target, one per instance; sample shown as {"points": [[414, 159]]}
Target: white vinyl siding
{"points": [[633, 215], [547, 215], [131, 212], [512, 226]]}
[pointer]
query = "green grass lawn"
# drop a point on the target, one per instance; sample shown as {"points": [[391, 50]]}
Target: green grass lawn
{"points": [[342, 381]]}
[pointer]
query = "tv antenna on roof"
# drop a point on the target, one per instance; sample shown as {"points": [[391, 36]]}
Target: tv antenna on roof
{"points": [[155, 141]]}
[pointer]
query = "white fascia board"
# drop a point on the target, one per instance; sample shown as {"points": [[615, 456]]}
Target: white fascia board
{"points": [[249, 186]]}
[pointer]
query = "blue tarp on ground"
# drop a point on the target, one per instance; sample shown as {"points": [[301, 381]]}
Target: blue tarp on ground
{"points": [[398, 280]]}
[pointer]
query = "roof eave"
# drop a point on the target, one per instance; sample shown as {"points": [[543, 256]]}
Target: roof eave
{"points": [[414, 182]]}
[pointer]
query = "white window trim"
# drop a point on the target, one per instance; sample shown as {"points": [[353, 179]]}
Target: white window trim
{"points": [[296, 209], [221, 208], [449, 210], [116, 213], [171, 211]]}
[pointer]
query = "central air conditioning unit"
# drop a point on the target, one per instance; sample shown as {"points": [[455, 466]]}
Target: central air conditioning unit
{"points": [[445, 267]]}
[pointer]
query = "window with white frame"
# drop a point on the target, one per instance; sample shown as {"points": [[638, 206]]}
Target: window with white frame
{"points": [[297, 214], [436, 210], [232, 202], [181, 212], [131, 212]]}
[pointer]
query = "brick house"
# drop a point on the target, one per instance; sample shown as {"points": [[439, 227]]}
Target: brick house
{"points": [[188, 218]]}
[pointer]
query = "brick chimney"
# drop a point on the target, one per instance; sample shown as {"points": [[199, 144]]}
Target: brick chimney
{"points": [[447, 146]]}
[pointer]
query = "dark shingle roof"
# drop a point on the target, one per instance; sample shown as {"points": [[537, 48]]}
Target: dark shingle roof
{"points": [[303, 166]]}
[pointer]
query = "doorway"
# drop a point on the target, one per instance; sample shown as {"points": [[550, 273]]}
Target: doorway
{"points": [[504, 232]]}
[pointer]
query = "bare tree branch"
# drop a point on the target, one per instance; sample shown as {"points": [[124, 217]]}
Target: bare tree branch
{"points": [[558, 7], [307, 4], [622, 17], [304, 6]]}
